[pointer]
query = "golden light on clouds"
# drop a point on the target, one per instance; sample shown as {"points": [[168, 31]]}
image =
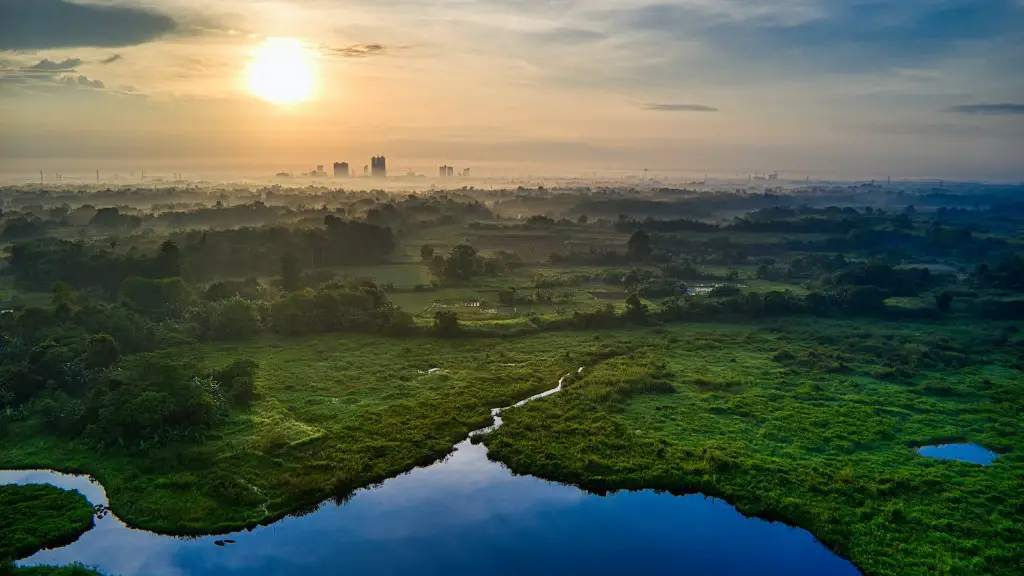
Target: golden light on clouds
{"points": [[282, 72]]}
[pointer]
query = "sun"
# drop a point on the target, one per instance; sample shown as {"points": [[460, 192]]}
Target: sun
{"points": [[281, 72]]}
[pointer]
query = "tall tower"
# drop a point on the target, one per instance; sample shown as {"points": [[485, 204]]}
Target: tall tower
{"points": [[379, 167], [341, 169]]}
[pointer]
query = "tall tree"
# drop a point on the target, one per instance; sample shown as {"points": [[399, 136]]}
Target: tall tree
{"points": [[291, 273], [639, 245]]}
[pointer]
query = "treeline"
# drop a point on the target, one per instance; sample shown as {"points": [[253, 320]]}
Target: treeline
{"points": [[197, 256], [62, 370], [464, 262], [245, 252]]}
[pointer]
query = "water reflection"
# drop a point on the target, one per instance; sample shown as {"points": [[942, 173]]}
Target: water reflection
{"points": [[464, 515], [963, 452]]}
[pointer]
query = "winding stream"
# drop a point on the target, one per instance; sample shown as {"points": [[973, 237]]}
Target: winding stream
{"points": [[463, 515]]}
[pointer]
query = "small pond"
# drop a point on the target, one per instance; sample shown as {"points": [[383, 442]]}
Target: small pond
{"points": [[963, 452], [463, 515]]}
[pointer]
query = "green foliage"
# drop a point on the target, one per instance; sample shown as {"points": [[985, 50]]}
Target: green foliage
{"points": [[446, 323], [102, 351], [38, 516], [639, 246], [761, 419], [156, 298], [238, 380], [233, 319], [291, 272]]}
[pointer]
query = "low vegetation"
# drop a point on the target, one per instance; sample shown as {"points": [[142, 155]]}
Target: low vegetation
{"points": [[794, 424], [37, 516]]}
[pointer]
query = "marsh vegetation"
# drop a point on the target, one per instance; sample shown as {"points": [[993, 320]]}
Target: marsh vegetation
{"points": [[221, 358]]}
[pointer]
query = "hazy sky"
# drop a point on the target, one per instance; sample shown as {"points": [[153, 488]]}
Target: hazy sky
{"points": [[856, 88]]}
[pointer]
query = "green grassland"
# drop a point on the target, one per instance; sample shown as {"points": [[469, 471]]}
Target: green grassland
{"points": [[814, 424], [38, 516], [333, 413]]}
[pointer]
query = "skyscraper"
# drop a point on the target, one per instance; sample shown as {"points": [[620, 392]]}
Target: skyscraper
{"points": [[341, 169], [450, 171], [379, 166], [442, 171]]}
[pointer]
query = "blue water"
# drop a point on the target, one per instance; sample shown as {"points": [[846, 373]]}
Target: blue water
{"points": [[464, 515], [963, 452]]}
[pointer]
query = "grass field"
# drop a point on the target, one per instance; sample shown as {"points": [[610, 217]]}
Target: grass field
{"points": [[813, 422], [333, 413], [804, 424]]}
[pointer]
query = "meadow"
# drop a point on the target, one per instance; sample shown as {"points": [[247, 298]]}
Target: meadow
{"points": [[807, 424], [331, 414]]}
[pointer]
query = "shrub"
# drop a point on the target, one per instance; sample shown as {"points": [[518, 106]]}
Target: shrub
{"points": [[446, 323], [234, 319]]}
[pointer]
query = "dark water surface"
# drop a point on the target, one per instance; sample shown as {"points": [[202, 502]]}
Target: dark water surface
{"points": [[963, 452], [465, 515]]}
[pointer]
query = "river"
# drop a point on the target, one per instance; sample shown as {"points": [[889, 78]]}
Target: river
{"points": [[463, 515]]}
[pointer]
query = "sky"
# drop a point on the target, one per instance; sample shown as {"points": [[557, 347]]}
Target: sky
{"points": [[838, 88]]}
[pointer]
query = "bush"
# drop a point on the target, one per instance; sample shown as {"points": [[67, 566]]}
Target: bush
{"points": [[238, 380], [234, 319], [783, 356], [446, 323]]}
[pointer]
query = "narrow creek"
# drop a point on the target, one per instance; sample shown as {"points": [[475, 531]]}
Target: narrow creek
{"points": [[462, 515]]}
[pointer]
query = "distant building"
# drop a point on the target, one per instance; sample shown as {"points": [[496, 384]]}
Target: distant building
{"points": [[341, 169], [379, 166], [465, 172], [319, 172], [442, 171], [450, 172], [366, 170]]}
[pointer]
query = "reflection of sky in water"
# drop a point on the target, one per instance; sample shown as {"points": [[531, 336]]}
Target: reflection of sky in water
{"points": [[964, 452], [466, 515]]}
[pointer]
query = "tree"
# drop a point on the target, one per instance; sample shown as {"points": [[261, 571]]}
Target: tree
{"points": [[291, 272], [102, 351], [238, 379], [582, 220], [639, 246], [157, 298], [944, 302], [507, 297], [636, 310], [446, 323], [234, 319], [168, 262], [426, 253]]}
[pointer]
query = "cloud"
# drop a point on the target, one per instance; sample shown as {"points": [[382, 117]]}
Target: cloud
{"points": [[42, 24], [1002, 109], [359, 50], [678, 108], [46, 65], [832, 36], [112, 59], [80, 81]]}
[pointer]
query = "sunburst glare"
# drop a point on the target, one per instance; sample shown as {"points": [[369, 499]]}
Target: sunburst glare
{"points": [[282, 72]]}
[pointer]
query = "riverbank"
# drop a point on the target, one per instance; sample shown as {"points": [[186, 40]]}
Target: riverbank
{"points": [[332, 414], [799, 424]]}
